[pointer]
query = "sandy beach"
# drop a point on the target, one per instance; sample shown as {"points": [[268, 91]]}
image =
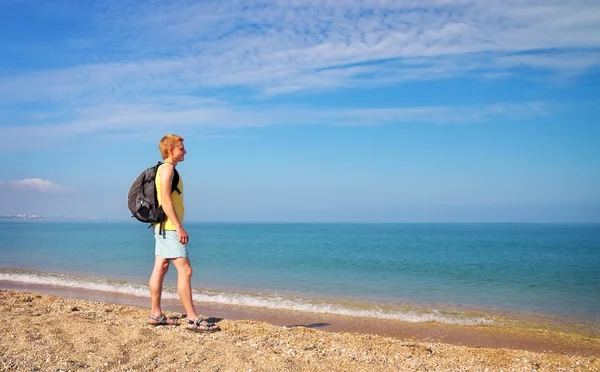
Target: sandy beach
{"points": [[47, 332]]}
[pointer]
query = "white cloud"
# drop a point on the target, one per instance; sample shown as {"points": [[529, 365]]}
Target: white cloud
{"points": [[157, 58], [567, 63], [149, 118], [38, 185], [278, 47]]}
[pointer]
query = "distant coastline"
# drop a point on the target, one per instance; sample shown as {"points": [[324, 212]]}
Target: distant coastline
{"points": [[35, 217], [22, 216], [40, 217]]}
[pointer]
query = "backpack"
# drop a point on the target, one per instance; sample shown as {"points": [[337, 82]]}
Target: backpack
{"points": [[142, 199]]}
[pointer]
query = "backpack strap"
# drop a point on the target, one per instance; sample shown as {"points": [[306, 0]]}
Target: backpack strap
{"points": [[174, 187], [161, 225], [175, 180]]}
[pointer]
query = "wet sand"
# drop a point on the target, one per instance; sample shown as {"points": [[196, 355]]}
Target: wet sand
{"points": [[66, 327]]}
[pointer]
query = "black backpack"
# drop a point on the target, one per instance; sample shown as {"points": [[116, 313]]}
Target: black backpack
{"points": [[142, 199]]}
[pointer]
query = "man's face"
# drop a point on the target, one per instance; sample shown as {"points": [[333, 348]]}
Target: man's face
{"points": [[179, 151]]}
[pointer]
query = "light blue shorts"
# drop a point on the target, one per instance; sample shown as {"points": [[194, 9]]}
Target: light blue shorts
{"points": [[168, 245]]}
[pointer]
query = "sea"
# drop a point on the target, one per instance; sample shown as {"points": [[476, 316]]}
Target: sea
{"points": [[541, 275]]}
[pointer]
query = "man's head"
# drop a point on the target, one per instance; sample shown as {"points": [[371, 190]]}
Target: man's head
{"points": [[171, 145]]}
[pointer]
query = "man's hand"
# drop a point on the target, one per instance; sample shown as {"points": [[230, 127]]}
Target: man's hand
{"points": [[183, 235]]}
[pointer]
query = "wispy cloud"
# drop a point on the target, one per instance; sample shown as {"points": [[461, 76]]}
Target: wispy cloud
{"points": [[146, 55], [150, 118], [37, 185], [279, 47]]}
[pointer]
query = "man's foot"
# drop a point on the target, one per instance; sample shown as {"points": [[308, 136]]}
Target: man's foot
{"points": [[162, 320], [202, 325]]}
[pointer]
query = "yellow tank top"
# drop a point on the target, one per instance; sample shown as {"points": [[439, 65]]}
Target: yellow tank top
{"points": [[177, 201]]}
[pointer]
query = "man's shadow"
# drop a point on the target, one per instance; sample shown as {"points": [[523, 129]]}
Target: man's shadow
{"points": [[312, 325], [213, 319]]}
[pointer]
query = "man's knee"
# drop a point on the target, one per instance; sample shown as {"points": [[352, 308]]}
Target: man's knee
{"points": [[185, 270]]}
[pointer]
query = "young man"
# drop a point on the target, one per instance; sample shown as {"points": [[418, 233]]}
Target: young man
{"points": [[171, 243]]}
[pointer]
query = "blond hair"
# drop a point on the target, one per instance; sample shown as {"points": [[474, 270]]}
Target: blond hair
{"points": [[167, 142]]}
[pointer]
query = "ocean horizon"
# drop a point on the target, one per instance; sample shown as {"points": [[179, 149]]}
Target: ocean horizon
{"points": [[454, 273]]}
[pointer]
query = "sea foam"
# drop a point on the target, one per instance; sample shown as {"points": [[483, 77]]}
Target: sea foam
{"points": [[402, 312]]}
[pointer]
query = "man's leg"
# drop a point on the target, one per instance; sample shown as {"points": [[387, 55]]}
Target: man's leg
{"points": [[184, 286], [161, 266], [184, 289]]}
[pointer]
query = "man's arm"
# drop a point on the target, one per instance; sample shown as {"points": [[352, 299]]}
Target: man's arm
{"points": [[166, 180]]}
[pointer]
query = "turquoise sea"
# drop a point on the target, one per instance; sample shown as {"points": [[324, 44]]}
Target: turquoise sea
{"points": [[450, 273]]}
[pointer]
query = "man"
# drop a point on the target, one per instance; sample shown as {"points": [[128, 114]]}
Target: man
{"points": [[172, 239]]}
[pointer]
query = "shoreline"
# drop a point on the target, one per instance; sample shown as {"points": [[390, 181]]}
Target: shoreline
{"points": [[47, 332], [513, 337]]}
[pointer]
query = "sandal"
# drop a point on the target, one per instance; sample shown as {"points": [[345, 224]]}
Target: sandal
{"points": [[162, 321], [207, 327]]}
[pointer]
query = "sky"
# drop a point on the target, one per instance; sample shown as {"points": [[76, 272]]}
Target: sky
{"points": [[305, 110]]}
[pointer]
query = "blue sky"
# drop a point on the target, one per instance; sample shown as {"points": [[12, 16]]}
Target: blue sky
{"points": [[349, 111]]}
